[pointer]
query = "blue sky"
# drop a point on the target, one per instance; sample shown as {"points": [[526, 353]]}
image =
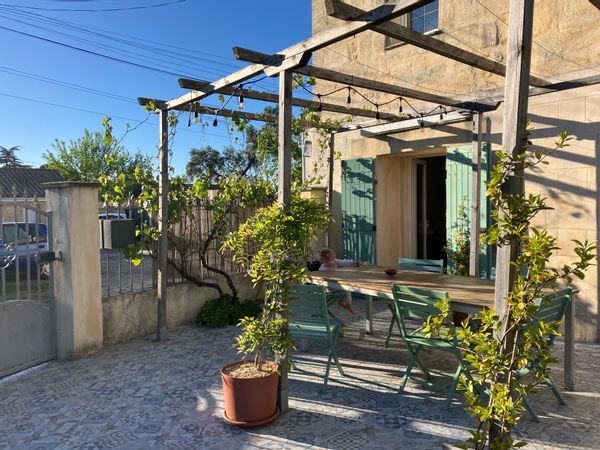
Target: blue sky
{"points": [[194, 38]]}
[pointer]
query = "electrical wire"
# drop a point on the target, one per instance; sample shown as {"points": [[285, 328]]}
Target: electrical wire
{"points": [[168, 72], [88, 111], [129, 8], [65, 84]]}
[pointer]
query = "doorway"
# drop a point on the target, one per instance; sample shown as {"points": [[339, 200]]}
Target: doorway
{"points": [[430, 207]]}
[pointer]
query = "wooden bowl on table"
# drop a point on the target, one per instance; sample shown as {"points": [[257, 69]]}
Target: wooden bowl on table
{"points": [[390, 272]]}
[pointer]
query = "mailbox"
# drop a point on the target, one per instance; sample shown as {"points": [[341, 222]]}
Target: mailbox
{"points": [[117, 233]]}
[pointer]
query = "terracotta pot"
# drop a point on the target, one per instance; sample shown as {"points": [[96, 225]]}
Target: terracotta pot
{"points": [[250, 402]]}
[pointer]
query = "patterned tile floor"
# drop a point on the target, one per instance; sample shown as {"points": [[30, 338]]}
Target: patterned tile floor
{"points": [[147, 395]]}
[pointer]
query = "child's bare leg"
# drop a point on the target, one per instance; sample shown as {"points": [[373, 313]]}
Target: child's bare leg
{"points": [[347, 303]]}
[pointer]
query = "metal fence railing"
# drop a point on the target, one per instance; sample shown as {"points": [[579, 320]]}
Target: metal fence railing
{"points": [[120, 276], [25, 230]]}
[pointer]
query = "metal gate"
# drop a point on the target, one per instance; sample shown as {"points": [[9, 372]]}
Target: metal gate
{"points": [[27, 331]]}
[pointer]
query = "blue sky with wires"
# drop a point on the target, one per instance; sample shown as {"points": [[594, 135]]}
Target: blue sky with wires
{"points": [[67, 63]]}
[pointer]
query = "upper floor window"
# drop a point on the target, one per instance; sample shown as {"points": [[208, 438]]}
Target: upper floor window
{"points": [[421, 20]]}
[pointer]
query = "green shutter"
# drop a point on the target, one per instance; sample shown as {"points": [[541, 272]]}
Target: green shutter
{"points": [[458, 192], [358, 209]]}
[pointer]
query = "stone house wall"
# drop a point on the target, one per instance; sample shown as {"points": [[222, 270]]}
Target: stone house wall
{"points": [[566, 35]]}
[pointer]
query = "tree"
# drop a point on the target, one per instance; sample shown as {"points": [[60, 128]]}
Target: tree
{"points": [[212, 165], [9, 158], [91, 156], [499, 346]]}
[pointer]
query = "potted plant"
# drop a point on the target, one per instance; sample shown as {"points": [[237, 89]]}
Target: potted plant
{"points": [[281, 242]]}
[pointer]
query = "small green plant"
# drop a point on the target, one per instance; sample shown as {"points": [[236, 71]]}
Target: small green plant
{"points": [[497, 345], [223, 311], [459, 247], [281, 240]]}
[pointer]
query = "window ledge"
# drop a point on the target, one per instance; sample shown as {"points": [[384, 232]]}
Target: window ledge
{"points": [[402, 44]]}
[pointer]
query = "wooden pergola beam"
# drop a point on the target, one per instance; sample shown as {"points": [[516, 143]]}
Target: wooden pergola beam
{"points": [[219, 112], [366, 83], [199, 85], [261, 117], [343, 11], [414, 124], [297, 53]]}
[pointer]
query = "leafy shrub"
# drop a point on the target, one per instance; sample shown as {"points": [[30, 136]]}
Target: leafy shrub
{"points": [[247, 308], [223, 311]]}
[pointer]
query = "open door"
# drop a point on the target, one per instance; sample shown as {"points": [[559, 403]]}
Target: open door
{"points": [[458, 199], [358, 209]]}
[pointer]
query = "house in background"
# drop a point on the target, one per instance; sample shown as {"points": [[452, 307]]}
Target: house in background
{"points": [[24, 185], [398, 192]]}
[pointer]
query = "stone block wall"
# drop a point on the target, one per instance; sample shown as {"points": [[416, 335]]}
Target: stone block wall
{"points": [[133, 315]]}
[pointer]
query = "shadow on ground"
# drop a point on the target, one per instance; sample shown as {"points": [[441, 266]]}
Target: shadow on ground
{"points": [[148, 395]]}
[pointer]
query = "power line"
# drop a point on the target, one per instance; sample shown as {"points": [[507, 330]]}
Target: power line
{"points": [[88, 111], [112, 58], [129, 8], [127, 53], [77, 87]]}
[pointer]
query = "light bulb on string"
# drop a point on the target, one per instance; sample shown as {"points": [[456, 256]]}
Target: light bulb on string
{"points": [[377, 115], [196, 117], [348, 100], [241, 99], [215, 122], [320, 107], [400, 108], [442, 111], [421, 122]]}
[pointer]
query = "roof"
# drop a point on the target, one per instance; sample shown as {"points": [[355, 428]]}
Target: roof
{"points": [[26, 181]]}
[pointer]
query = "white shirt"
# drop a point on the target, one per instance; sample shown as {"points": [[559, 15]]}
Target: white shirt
{"points": [[339, 263]]}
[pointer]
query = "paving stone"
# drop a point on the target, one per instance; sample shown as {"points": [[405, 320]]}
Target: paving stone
{"points": [[147, 395]]}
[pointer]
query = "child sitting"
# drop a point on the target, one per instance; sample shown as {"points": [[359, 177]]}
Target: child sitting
{"points": [[329, 261]]}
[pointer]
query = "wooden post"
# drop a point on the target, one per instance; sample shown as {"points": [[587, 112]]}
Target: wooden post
{"points": [[163, 206], [514, 134], [284, 190], [476, 195], [284, 195], [331, 162]]}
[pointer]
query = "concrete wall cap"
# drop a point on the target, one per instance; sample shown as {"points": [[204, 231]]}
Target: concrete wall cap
{"points": [[66, 184]]}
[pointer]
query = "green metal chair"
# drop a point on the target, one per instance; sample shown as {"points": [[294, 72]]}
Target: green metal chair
{"points": [[309, 319], [552, 308], [423, 265], [417, 304]]}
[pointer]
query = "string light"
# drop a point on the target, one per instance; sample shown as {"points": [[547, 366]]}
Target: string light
{"points": [[377, 106], [196, 117], [349, 99], [215, 122], [241, 99]]}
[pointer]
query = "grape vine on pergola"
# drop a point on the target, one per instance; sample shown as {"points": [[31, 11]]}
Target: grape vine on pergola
{"points": [[519, 85]]}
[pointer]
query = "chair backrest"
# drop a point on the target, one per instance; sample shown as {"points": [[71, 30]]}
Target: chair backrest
{"points": [[424, 265], [552, 306], [415, 303], [308, 302]]}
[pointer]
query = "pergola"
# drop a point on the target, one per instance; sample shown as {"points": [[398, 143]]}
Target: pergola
{"points": [[519, 85]]}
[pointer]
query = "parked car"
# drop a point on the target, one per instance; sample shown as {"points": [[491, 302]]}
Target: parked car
{"points": [[19, 238]]}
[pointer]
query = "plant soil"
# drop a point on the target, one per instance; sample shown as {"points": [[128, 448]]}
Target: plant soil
{"points": [[248, 370]]}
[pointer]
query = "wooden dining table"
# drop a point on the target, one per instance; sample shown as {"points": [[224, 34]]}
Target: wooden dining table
{"points": [[467, 295]]}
